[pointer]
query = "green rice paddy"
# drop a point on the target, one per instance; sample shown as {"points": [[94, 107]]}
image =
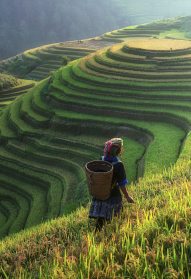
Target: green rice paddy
{"points": [[48, 59], [47, 136], [68, 105], [7, 81]]}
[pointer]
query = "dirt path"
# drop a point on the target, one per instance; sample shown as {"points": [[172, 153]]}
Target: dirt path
{"points": [[99, 44], [89, 43], [94, 44]]}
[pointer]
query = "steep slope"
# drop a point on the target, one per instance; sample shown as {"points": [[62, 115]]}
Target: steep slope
{"points": [[138, 90], [40, 62], [10, 91], [37, 63]]}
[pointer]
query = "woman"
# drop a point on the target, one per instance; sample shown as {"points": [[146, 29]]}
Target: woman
{"points": [[105, 210]]}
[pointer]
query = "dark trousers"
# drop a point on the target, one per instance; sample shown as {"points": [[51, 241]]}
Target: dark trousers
{"points": [[101, 221], [99, 224]]}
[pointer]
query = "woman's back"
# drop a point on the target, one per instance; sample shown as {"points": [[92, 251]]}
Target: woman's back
{"points": [[103, 210]]}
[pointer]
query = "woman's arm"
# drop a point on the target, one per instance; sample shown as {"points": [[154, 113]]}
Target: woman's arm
{"points": [[124, 190]]}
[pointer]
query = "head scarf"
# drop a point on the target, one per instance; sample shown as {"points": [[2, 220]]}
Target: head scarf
{"points": [[111, 147]]}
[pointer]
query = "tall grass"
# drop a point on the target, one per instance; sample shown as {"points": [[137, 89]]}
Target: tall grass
{"points": [[151, 239]]}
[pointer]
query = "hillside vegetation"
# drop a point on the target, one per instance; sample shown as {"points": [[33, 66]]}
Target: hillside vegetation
{"points": [[59, 119], [175, 28], [50, 58], [39, 63], [7, 81], [26, 25], [139, 91], [11, 88], [150, 240]]}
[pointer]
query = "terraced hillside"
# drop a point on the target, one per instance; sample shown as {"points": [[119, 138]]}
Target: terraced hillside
{"points": [[139, 91], [137, 32], [51, 57], [143, 31], [7, 81], [41, 61], [8, 94]]}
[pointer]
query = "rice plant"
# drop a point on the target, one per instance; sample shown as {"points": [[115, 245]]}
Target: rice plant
{"points": [[49, 133]]}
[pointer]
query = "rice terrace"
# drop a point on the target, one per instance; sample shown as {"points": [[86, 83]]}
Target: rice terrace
{"points": [[133, 83]]}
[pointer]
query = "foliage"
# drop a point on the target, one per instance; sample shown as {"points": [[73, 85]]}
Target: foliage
{"points": [[22, 67], [51, 55], [167, 22], [7, 81], [188, 35], [6, 132], [53, 21], [49, 134], [65, 60], [150, 239], [186, 26], [52, 73], [45, 89]]}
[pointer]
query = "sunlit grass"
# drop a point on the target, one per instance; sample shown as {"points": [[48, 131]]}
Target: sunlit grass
{"points": [[151, 238], [172, 34], [178, 35], [160, 44]]}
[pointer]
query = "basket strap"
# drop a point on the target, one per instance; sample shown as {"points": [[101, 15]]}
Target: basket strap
{"points": [[113, 185], [113, 163]]}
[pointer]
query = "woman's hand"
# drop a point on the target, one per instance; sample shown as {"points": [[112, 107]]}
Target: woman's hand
{"points": [[130, 200], [124, 190]]}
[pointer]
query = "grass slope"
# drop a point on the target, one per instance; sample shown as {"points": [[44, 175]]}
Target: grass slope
{"points": [[38, 63], [7, 81], [151, 239], [170, 28], [18, 87], [63, 122], [49, 133]]}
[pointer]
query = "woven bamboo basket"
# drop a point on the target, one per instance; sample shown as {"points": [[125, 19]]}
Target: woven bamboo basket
{"points": [[99, 177]]}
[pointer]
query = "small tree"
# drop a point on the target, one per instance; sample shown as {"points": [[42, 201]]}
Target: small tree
{"points": [[65, 60], [52, 73]]}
